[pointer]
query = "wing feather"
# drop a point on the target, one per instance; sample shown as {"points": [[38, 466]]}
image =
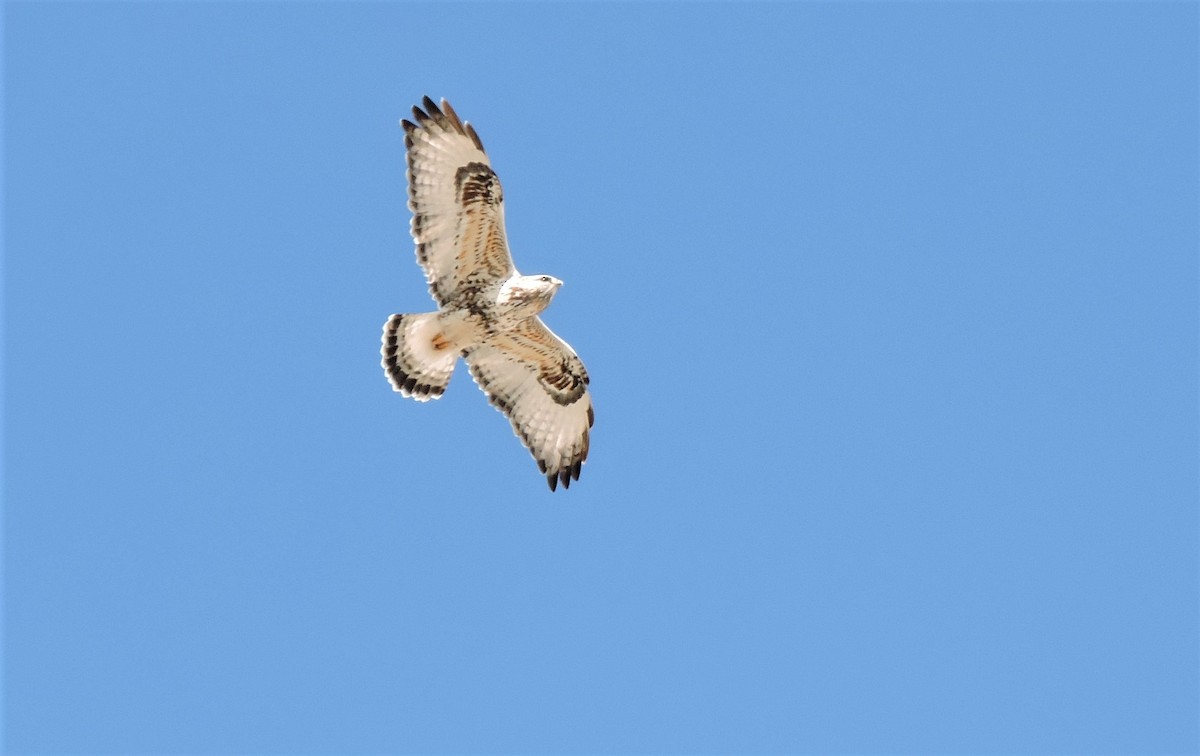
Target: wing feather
{"points": [[457, 204], [537, 380]]}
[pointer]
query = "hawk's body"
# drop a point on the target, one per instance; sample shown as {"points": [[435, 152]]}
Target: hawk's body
{"points": [[488, 312]]}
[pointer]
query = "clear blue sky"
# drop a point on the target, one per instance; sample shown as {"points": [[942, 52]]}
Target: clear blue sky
{"points": [[891, 315]]}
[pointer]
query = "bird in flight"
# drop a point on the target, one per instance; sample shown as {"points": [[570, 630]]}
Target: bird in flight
{"points": [[487, 311]]}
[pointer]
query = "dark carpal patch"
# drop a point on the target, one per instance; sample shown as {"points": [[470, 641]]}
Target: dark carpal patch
{"points": [[477, 182], [565, 386]]}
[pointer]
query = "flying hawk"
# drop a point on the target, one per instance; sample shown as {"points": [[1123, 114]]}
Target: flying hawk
{"points": [[487, 311]]}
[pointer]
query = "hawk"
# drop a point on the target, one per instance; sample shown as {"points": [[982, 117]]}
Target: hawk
{"points": [[487, 311]]}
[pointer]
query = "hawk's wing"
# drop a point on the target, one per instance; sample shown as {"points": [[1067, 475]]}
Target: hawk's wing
{"points": [[536, 379], [457, 204]]}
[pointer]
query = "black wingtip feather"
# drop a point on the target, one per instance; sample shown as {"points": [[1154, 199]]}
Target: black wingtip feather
{"points": [[448, 109], [474, 137], [432, 112], [552, 479]]}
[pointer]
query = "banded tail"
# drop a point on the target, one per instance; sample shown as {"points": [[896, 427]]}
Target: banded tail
{"points": [[418, 356]]}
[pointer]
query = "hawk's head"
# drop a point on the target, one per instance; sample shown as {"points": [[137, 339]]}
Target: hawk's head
{"points": [[529, 295]]}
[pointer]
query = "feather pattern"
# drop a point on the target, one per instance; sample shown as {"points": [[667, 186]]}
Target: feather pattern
{"points": [[457, 205], [538, 381]]}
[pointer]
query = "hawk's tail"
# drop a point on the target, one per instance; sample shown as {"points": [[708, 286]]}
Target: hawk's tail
{"points": [[418, 357]]}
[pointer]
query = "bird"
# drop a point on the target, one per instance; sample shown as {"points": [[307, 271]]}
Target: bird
{"points": [[488, 313]]}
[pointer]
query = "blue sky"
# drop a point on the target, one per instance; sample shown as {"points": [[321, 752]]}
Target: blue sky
{"points": [[891, 317]]}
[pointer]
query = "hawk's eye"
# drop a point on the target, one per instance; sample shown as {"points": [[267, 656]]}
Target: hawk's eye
{"points": [[546, 279]]}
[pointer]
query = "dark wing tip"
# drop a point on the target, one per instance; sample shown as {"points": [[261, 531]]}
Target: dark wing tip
{"points": [[407, 125], [474, 137], [454, 119], [552, 479], [432, 112]]}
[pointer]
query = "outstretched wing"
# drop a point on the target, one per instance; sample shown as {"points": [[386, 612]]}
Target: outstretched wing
{"points": [[538, 381], [457, 205]]}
